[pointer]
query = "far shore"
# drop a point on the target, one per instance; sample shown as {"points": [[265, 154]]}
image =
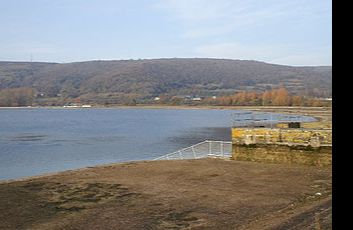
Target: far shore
{"points": [[151, 106]]}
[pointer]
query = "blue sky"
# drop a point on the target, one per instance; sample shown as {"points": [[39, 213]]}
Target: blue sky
{"points": [[287, 32]]}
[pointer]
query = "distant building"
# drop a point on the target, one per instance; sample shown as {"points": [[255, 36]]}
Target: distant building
{"points": [[325, 99], [86, 106], [157, 99], [196, 99]]}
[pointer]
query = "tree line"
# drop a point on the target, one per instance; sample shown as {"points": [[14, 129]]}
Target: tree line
{"points": [[16, 97], [274, 97]]}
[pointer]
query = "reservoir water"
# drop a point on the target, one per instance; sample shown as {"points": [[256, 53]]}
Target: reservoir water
{"points": [[41, 140]]}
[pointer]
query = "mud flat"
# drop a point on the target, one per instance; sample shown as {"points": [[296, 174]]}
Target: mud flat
{"points": [[187, 194]]}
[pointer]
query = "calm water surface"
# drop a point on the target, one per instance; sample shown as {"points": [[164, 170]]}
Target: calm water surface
{"points": [[36, 141]]}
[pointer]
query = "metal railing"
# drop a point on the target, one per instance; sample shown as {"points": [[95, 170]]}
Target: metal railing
{"points": [[256, 119], [203, 149]]}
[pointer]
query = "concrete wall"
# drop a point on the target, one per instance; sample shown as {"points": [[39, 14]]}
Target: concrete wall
{"points": [[274, 153], [316, 138], [298, 146]]}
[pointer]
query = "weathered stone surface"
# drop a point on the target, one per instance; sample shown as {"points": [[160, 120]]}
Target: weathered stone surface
{"points": [[272, 153], [277, 145]]}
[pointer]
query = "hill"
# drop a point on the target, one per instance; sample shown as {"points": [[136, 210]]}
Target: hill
{"points": [[147, 78]]}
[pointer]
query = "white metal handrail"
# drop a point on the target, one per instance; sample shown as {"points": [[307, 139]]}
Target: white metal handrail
{"points": [[201, 150]]}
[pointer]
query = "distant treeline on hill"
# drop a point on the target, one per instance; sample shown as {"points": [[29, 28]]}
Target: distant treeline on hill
{"points": [[16, 97], [275, 97], [139, 81]]}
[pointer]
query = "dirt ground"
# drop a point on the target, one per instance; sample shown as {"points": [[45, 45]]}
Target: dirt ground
{"points": [[188, 194]]}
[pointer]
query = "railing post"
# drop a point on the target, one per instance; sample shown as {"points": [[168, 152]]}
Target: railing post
{"points": [[193, 151], [222, 152]]}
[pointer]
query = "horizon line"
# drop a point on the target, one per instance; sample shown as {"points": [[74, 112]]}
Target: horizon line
{"points": [[144, 59]]}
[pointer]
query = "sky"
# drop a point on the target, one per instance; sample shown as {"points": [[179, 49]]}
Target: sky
{"points": [[286, 32]]}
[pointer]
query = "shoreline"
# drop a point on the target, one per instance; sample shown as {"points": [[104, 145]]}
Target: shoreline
{"points": [[171, 107], [68, 171], [278, 109]]}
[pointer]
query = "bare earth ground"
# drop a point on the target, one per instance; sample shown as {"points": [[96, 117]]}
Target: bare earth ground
{"points": [[188, 194]]}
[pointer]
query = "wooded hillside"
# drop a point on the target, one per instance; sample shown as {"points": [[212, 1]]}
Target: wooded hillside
{"points": [[145, 79]]}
